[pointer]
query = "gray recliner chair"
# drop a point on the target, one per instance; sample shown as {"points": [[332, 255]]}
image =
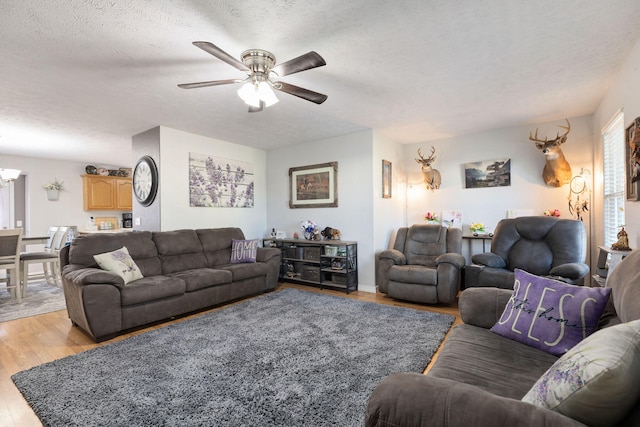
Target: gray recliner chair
{"points": [[541, 245], [424, 265]]}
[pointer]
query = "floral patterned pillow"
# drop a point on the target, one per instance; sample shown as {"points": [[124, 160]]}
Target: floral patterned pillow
{"points": [[595, 382], [120, 263]]}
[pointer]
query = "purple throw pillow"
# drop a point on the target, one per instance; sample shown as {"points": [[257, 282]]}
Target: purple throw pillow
{"points": [[243, 251], [550, 315]]}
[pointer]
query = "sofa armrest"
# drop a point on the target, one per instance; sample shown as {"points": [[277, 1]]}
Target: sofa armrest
{"points": [[489, 259], [81, 275], [394, 255], [410, 399], [265, 254], [572, 270], [483, 306], [454, 259]]}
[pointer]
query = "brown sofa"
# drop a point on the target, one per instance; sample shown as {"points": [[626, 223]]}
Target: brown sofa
{"points": [[184, 271], [479, 377]]}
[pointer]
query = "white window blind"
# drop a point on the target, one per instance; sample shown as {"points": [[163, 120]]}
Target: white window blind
{"points": [[614, 179]]}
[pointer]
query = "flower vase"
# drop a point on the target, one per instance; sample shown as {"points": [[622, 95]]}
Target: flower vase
{"points": [[53, 194]]}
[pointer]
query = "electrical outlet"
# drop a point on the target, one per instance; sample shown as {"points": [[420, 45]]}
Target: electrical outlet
{"points": [[18, 223], [137, 221]]}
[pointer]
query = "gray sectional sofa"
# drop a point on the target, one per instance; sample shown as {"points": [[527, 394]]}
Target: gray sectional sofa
{"points": [[480, 378], [184, 271]]}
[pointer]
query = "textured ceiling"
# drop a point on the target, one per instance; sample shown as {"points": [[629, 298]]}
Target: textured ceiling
{"points": [[78, 78]]}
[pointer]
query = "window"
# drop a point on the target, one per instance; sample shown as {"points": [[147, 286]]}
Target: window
{"points": [[614, 179]]}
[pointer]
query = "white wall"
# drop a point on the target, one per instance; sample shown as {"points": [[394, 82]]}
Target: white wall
{"points": [[175, 147], [489, 205], [68, 209], [623, 93], [356, 189]]}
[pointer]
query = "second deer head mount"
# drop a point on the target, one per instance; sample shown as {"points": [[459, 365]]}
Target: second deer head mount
{"points": [[557, 171], [431, 176]]}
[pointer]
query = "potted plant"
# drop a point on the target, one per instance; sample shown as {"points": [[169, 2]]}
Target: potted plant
{"points": [[53, 189]]}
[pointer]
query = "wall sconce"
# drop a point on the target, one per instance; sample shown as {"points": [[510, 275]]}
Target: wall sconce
{"points": [[8, 175]]}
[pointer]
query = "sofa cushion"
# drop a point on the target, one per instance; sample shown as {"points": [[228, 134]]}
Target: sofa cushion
{"points": [[550, 315], [139, 244], [216, 244], [201, 278], [596, 382], [244, 251], [179, 250], [246, 271], [120, 263], [476, 356], [151, 288]]}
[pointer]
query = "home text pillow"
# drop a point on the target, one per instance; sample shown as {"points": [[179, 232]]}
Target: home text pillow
{"points": [[596, 382], [550, 315], [243, 251], [120, 263]]}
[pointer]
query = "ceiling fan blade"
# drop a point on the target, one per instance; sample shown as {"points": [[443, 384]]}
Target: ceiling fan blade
{"points": [[303, 62], [300, 92], [221, 55], [205, 84], [253, 109]]}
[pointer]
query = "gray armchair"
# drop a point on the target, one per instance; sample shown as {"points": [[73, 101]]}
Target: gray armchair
{"points": [[423, 266], [541, 245]]}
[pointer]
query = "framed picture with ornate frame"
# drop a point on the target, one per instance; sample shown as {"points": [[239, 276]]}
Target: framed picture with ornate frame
{"points": [[632, 139], [314, 186], [386, 179]]}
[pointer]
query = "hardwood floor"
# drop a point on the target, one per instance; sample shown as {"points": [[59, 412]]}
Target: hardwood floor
{"points": [[31, 341]]}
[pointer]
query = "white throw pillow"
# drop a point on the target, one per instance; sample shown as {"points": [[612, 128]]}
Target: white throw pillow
{"points": [[595, 382], [120, 263]]}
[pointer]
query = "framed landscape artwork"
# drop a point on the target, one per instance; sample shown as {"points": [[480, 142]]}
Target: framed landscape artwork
{"points": [[386, 179], [314, 186], [492, 173]]}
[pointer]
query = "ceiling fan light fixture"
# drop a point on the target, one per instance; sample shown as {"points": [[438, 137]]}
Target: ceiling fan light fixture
{"points": [[249, 94], [254, 93]]}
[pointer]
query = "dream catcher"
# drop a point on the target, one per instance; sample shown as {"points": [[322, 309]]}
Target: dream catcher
{"points": [[578, 196]]}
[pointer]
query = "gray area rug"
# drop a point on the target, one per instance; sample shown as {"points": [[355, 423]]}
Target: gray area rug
{"points": [[41, 298], [288, 358]]}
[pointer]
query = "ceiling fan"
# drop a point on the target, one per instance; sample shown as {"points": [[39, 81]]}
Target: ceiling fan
{"points": [[261, 69]]}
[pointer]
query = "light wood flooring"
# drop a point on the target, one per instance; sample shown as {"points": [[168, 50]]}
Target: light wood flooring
{"points": [[31, 341]]}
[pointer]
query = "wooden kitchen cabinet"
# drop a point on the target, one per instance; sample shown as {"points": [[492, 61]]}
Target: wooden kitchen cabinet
{"points": [[103, 193]]}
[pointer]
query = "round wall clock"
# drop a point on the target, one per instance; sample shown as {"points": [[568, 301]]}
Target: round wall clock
{"points": [[145, 180]]}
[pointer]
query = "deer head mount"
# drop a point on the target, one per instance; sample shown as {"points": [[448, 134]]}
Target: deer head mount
{"points": [[431, 176], [557, 171]]}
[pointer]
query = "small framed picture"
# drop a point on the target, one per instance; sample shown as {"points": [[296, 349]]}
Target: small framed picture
{"points": [[386, 179]]}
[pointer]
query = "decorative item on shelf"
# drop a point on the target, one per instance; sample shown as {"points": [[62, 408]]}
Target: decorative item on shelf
{"points": [[331, 250], [432, 178], [431, 217], [53, 189], [330, 233], [91, 170], [623, 241], [296, 236], [552, 212], [337, 264], [477, 228], [103, 172], [452, 219], [310, 230]]}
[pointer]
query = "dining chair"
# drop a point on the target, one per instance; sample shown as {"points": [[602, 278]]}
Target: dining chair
{"points": [[10, 241], [49, 258]]}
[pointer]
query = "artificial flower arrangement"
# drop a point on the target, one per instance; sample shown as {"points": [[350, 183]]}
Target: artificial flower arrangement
{"points": [[310, 230], [55, 185], [477, 227], [552, 212], [431, 217]]}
